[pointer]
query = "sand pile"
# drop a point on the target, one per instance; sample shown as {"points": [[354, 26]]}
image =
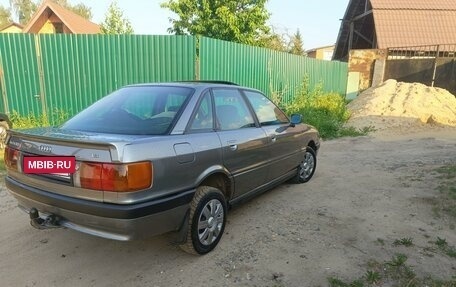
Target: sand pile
{"points": [[396, 104]]}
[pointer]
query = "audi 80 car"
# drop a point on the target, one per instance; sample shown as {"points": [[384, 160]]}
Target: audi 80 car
{"points": [[155, 158]]}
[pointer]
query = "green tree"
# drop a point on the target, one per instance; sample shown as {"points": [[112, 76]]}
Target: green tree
{"points": [[115, 22], [82, 10], [241, 21], [275, 40], [5, 16], [23, 10], [296, 44]]}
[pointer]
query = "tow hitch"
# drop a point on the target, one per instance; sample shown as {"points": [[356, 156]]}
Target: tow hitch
{"points": [[50, 221]]}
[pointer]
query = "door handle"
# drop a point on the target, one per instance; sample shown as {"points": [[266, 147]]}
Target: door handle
{"points": [[273, 139], [233, 147]]}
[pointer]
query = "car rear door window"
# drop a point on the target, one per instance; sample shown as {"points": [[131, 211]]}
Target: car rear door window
{"points": [[231, 110]]}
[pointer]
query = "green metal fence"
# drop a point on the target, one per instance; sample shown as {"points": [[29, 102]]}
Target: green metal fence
{"points": [[270, 71], [42, 73], [20, 84], [69, 72]]}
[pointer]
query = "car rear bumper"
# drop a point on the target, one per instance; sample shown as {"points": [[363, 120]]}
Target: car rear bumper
{"points": [[113, 221]]}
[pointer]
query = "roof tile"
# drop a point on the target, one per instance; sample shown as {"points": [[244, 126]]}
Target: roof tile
{"points": [[414, 4], [74, 22], [400, 28]]}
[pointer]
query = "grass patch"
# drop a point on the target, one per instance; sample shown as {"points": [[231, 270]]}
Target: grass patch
{"points": [[443, 246], [447, 172], [372, 277], [394, 272], [335, 282], [397, 260], [354, 132], [446, 203], [407, 242]]}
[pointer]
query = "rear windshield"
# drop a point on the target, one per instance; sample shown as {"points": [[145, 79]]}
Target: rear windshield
{"points": [[145, 110]]}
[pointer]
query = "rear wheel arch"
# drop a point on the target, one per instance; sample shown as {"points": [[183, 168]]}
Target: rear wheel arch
{"points": [[220, 181], [312, 145], [205, 221], [5, 118], [5, 125]]}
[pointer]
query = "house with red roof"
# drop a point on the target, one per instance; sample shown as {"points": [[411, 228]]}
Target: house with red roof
{"points": [[406, 40], [383, 24], [52, 18]]}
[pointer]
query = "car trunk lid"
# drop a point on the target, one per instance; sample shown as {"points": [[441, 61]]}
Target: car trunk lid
{"points": [[84, 146]]}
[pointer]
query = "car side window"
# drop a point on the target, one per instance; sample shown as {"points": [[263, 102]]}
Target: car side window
{"points": [[231, 110], [267, 112], [203, 119]]}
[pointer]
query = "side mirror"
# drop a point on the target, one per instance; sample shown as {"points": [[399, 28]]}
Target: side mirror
{"points": [[295, 119]]}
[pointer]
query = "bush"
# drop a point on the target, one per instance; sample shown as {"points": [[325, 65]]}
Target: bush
{"points": [[29, 121], [326, 111], [33, 121]]}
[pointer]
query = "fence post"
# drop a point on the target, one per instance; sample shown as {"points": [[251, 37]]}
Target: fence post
{"points": [[435, 65], [197, 58], [41, 75], [3, 87]]}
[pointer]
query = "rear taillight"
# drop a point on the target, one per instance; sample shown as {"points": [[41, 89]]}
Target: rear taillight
{"points": [[125, 177], [11, 158]]}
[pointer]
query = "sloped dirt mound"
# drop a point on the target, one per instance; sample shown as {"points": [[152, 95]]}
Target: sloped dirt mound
{"points": [[402, 105]]}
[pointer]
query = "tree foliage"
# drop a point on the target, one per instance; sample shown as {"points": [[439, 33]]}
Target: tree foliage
{"points": [[23, 10], [274, 41], [5, 16], [115, 22], [296, 44], [82, 10], [241, 21]]}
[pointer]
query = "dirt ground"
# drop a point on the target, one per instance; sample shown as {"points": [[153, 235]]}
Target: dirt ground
{"points": [[367, 193]]}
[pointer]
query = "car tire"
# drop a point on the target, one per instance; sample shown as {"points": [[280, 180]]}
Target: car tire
{"points": [[206, 221], [306, 168], [4, 127]]}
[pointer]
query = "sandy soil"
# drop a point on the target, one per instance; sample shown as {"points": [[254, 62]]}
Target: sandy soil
{"points": [[365, 189], [398, 104]]}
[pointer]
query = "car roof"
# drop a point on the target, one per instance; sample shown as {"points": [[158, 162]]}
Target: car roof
{"points": [[197, 85], [193, 84]]}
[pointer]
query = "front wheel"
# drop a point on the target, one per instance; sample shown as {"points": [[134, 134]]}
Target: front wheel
{"points": [[206, 222], [306, 168]]}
